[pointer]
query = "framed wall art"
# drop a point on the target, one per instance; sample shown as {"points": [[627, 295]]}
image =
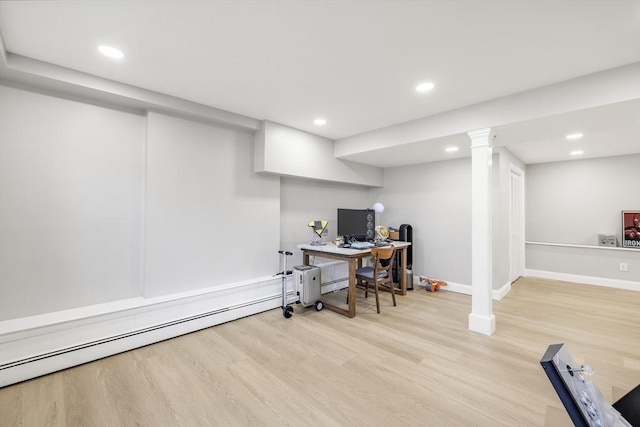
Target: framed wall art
{"points": [[631, 229]]}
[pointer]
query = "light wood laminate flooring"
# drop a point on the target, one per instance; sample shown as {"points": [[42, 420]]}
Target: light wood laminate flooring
{"points": [[416, 364]]}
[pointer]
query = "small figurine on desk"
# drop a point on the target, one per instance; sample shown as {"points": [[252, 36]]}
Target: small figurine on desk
{"points": [[431, 285], [319, 229]]}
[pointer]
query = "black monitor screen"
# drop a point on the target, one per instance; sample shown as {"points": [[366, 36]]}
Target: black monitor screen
{"points": [[357, 223]]}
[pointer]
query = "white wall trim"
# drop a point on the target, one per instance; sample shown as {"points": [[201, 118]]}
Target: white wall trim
{"points": [[461, 288], [571, 245], [60, 340], [498, 294], [589, 280], [24, 324], [67, 83], [38, 345], [485, 325]]}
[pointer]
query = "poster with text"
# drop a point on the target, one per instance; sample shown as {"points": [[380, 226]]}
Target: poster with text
{"points": [[631, 229]]}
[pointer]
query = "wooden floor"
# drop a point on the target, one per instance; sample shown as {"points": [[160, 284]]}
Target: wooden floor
{"points": [[413, 365]]}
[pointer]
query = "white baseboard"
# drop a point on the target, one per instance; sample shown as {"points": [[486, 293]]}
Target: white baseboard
{"points": [[500, 293], [589, 280], [461, 288], [56, 341], [38, 345]]}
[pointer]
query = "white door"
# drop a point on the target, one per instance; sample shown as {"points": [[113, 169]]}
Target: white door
{"points": [[516, 223]]}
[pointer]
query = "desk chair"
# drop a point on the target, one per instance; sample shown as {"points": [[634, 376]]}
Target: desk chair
{"points": [[379, 275]]}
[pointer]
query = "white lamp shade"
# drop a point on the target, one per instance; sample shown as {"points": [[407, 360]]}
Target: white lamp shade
{"points": [[378, 207]]}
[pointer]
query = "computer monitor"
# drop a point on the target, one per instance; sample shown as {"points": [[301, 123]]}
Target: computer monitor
{"points": [[357, 224]]}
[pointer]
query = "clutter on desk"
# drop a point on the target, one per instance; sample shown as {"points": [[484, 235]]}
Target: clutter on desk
{"points": [[430, 284], [394, 233]]}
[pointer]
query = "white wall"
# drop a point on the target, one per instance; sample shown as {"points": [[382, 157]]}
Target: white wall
{"points": [[568, 204], [287, 151], [111, 221], [71, 185], [302, 201], [574, 201], [503, 159], [209, 218], [98, 206], [585, 264], [119, 230], [435, 199]]}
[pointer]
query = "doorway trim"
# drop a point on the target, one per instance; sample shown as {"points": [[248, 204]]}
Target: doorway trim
{"points": [[516, 222]]}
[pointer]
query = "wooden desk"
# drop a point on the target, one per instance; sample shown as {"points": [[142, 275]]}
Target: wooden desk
{"points": [[354, 258]]}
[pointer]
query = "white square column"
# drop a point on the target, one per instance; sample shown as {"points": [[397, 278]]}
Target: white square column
{"points": [[481, 318]]}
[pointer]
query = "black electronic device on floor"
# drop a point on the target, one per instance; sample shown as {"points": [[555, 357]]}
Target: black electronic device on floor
{"points": [[581, 398]]}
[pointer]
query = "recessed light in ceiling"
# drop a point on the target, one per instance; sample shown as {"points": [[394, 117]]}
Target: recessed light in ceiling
{"points": [[574, 136], [451, 149], [424, 87], [111, 52], [577, 152], [319, 122]]}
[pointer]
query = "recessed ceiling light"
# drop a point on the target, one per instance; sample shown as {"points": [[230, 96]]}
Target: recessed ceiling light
{"points": [[574, 136], [319, 122], [111, 52], [451, 149], [577, 152], [424, 87]]}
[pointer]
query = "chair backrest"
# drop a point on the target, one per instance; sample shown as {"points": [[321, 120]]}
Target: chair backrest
{"points": [[382, 257]]}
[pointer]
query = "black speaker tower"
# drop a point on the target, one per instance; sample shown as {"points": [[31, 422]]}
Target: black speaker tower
{"points": [[405, 234]]}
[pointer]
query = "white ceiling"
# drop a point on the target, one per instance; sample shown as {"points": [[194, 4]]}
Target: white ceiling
{"points": [[355, 63], [611, 130]]}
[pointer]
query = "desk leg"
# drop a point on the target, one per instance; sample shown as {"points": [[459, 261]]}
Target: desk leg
{"points": [[352, 288], [403, 269], [351, 312]]}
